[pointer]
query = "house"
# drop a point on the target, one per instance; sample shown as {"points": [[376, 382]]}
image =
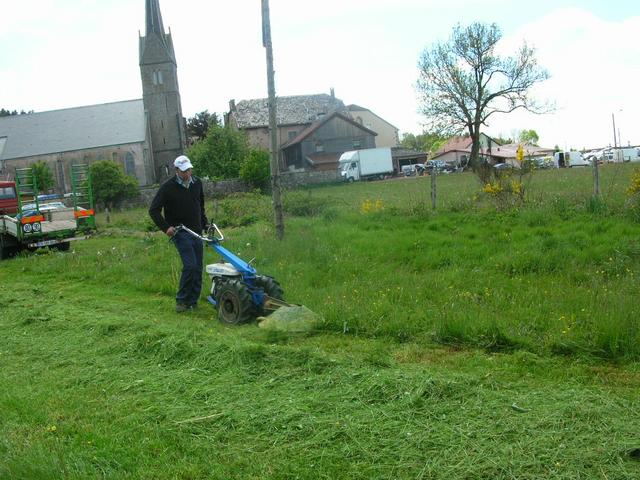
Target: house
{"points": [[305, 125], [458, 150], [143, 135], [319, 146], [294, 114], [387, 133]]}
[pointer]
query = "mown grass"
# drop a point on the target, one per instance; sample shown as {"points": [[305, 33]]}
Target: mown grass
{"points": [[470, 342]]}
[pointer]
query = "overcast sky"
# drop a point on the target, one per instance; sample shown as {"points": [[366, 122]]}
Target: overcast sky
{"points": [[67, 53]]}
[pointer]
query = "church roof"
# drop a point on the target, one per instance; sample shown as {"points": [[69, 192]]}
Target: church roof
{"points": [[293, 110], [69, 129]]}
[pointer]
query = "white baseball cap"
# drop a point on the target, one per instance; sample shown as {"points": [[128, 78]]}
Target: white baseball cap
{"points": [[183, 163]]}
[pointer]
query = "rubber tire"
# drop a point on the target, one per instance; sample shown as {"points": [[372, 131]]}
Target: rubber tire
{"points": [[63, 247], [270, 286], [235, 305], [8, 248]]}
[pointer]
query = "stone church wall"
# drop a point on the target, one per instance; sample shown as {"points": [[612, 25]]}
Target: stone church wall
{"points": [[60, 163]]}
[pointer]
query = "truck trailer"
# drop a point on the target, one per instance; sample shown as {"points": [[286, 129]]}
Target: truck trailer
{"points": [[366, 164], [29, 221]]}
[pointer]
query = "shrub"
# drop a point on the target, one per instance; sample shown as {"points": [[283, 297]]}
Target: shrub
{"points": [[111, 185], [255, 170], [43, 175]]}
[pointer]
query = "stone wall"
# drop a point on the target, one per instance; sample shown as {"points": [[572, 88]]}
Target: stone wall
{"points": [[300, 179], [289, 180]]}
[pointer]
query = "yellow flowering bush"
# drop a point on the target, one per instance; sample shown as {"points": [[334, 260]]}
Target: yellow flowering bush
{"points": [[634, 189], [633, 202], [505, 190], [369, 206]]}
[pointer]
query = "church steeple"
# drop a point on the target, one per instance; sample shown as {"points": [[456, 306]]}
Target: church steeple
{"points": [[160, 93], [154, 19]]}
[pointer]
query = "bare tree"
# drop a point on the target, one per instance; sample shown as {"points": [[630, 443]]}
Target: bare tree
{"points": [[463, 82]]}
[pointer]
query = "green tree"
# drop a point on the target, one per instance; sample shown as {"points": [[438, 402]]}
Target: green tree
{"points": [[198, 125], [7, 113], [221, 153], [462, 82], [424, 142], [255, 170], [43, 175], [111, 185], [529, 136]]}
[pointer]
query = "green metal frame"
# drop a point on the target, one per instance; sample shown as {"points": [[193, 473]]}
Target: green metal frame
{"points": [[82, 189]]}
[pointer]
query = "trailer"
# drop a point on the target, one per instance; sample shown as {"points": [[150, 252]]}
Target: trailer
{"points": [[29, 221]]}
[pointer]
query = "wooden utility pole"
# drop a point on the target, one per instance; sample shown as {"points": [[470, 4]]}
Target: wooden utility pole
{"points": [[275, 166], [434, 195]]}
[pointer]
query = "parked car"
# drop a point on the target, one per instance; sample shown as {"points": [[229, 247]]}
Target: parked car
{"points": [[504, 166], [437, 164]]}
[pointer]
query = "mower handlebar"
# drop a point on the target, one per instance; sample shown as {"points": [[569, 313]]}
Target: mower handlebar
{"points": [[216, 234]]}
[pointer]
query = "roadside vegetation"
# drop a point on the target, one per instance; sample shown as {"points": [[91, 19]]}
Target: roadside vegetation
{"points": [[489, 338]]}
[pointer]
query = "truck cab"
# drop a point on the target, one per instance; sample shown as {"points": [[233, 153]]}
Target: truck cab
{"points": [[8, 198], [350, 171]]}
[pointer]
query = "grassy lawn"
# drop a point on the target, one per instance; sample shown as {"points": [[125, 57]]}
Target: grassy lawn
{"points": [[481, 340]]}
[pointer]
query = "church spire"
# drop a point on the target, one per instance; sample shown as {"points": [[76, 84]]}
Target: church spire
{"points": [[154, 19]]}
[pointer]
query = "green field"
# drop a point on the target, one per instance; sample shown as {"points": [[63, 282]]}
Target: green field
{"points": [[485, 339]]}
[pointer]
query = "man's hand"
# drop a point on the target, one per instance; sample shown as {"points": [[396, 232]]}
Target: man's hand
{"points": [[170, 232]]}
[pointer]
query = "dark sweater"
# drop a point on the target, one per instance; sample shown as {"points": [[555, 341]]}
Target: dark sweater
{"points": [[181, 206]]}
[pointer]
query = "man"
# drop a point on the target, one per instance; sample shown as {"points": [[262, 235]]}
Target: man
{"points": [[182, 199]]}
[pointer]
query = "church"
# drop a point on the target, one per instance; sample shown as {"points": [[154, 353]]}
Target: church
{"points": [[143, 135]]}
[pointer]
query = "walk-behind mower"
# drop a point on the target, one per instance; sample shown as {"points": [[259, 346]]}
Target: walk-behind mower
{"points": [[237, 291]]}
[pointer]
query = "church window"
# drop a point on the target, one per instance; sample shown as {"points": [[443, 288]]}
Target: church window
{"points": [[319, 147], [164, 141], [114, 156], [130, 164], [157, 77], [359, 120], [161, 123]]}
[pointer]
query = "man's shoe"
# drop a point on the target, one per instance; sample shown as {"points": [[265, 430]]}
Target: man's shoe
{"points": [[180, 307]]}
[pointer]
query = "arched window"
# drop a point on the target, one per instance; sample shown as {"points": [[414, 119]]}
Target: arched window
{"points": [[130, 164], [359, 120]]}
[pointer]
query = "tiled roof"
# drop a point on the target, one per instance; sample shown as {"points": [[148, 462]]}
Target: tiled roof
{"points": [[71, 129], [294, 110]]}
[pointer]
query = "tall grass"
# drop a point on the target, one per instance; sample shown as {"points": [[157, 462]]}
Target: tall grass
{"points": [[469, 342]]}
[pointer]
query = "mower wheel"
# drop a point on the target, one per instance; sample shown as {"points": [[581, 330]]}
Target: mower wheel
{"points": [[271, 287], [235, 305]]}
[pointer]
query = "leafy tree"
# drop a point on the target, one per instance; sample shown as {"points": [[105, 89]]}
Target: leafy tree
{"points": [[198, 125], [463, 82], [7, 113], [110, 184], [502, 140], [529, 136], [424, 142], [221, 153], [255, 170], [43, 175]]}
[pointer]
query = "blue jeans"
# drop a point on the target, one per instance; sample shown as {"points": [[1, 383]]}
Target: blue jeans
{"points": [[190, 250]]}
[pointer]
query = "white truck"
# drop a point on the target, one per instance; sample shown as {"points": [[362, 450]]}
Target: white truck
{"points": [[569, 159], [366, 164]]}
